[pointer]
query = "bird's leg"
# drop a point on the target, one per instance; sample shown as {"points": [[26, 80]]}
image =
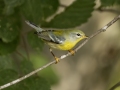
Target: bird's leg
{"points": [[72, 52], [56, 58]]}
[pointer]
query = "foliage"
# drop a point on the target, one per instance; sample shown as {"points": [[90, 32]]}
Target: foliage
{"points": [[110, 2], [16, 40]]}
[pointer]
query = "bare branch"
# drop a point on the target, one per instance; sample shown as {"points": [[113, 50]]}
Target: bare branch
{"points": [[63, 56], [101, 9], [115, 86], [99, 31]]}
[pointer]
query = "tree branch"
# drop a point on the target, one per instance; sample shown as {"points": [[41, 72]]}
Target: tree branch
{"points": [[101, 9], [63, 56], [115, 86]]}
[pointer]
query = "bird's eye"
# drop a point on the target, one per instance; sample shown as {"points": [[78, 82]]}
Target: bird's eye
{"points": [[78, 34]]}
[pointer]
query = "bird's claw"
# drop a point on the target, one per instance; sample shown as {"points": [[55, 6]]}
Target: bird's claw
{"points": [[72, 52], [57, 60]]}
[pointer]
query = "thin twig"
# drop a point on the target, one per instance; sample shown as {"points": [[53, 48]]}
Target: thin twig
{"points": [[99, 31], [17, 52], [101, 9], [115, 86], [25, 46], [62, 57]]}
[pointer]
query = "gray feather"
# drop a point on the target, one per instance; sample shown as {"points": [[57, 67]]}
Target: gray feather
{"points": [[37, 28]]}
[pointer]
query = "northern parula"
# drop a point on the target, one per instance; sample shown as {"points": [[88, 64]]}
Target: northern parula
{"points": [[59, 39]]}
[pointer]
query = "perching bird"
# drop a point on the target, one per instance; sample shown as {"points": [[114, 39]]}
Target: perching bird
{"points": [[59, 39]]}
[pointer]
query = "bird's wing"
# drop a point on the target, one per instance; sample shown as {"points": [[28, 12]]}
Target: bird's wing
{"points": [[47, 35], [50, 36], [37, 28]]}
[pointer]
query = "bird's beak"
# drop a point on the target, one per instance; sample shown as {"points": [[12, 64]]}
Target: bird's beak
{"points": [[85, 36]]}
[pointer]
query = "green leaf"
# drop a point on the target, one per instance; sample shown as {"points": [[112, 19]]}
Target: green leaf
{"points": [[34, 83], [6, 76], [38, 10], [26, 67], [10, 6], [31, 83], [110, 2], [6, 48], [6, 62], [34, 41], [9, 28], [2, 5], [74, 15]]}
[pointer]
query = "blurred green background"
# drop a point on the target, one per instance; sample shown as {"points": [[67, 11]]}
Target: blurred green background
{"points": [[94, 67]]}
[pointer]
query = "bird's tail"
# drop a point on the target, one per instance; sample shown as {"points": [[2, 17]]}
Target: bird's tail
{"points": [[37, 28]]}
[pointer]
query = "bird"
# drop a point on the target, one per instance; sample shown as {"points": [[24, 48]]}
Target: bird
{"points": [[61, 39]]}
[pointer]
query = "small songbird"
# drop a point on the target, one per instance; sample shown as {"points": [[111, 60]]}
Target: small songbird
{"points": [[59, 39]]}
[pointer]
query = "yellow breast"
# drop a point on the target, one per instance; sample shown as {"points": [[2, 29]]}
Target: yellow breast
{"points": [[64, 46]]}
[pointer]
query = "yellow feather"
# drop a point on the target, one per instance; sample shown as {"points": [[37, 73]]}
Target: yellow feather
{"points": [[67, 45]]}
